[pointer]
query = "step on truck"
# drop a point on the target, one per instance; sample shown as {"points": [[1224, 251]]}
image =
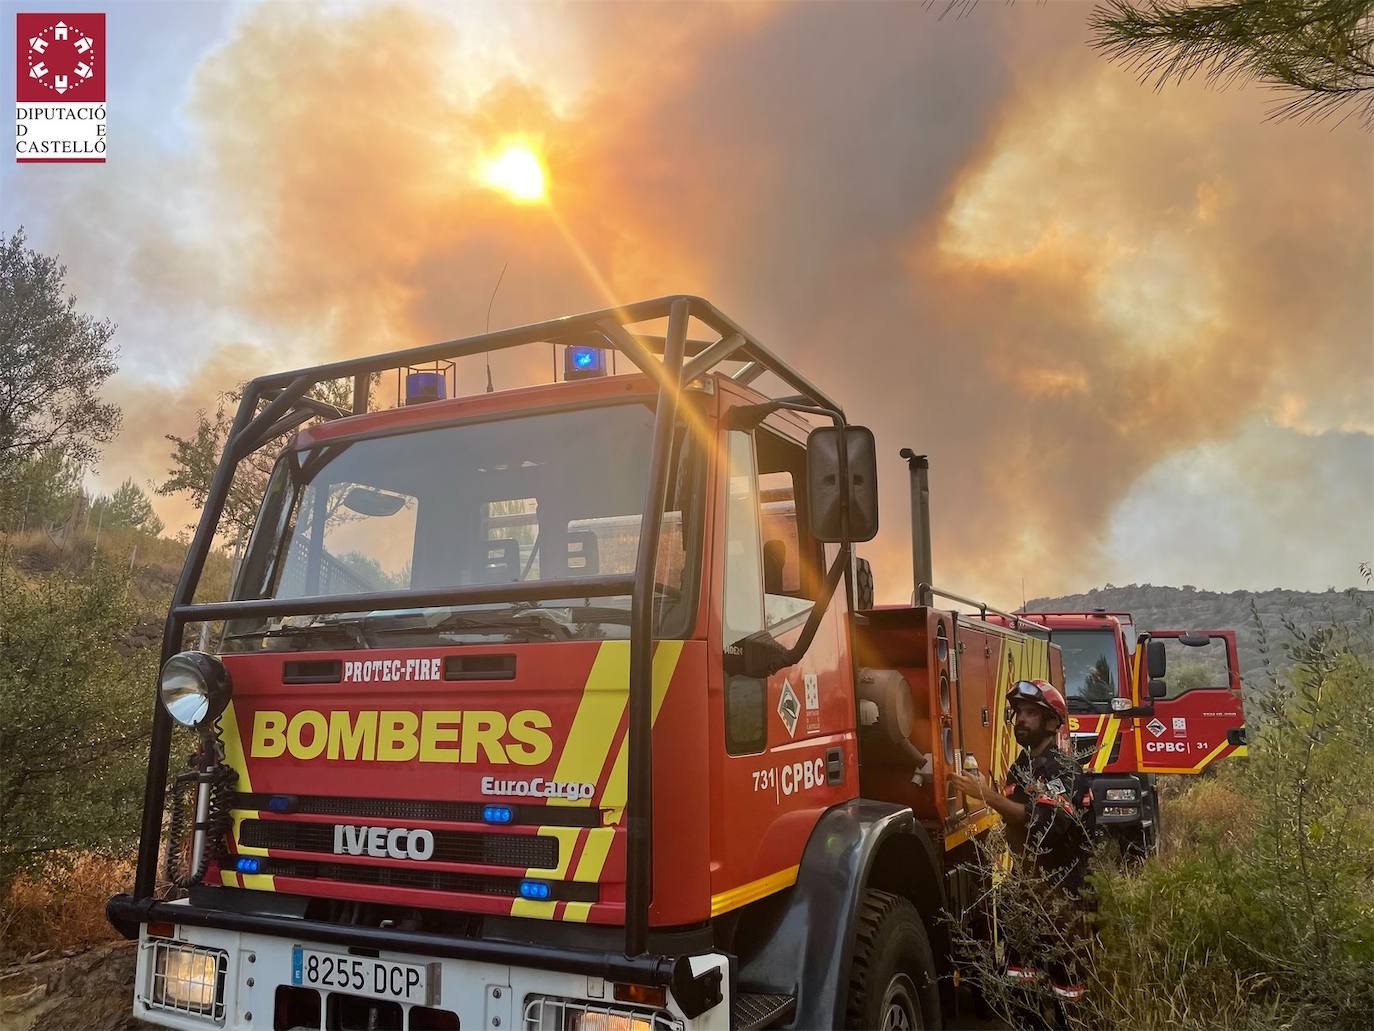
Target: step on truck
{"points": [[1141, 704], [556, 709]]}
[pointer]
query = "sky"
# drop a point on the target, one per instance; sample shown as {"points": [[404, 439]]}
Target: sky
{"points": [[1133, 328]]}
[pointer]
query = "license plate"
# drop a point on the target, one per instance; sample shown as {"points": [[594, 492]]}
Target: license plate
{"points": [[363, 975]]}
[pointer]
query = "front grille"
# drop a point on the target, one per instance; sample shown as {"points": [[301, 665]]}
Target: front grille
{"points": [[421, 810], [419, 877], [522, 850]]}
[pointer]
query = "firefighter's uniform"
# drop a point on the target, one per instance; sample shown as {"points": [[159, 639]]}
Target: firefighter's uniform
{"points": [[1055, 844]]}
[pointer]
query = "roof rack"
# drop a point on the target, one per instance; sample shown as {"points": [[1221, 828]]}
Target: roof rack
{"points": [[1016, 619]]}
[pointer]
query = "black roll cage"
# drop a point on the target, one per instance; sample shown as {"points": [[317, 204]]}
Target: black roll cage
{"points": [[682, 361]]}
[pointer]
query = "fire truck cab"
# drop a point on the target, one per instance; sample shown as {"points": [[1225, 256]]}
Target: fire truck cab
{"points": [[1144, 703], [552, 709]]}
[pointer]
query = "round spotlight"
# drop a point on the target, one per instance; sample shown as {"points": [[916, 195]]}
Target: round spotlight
{"points": [[194, 688]]}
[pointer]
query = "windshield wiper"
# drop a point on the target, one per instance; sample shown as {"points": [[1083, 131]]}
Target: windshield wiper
{"points": [[513, 621], [354, 629]]}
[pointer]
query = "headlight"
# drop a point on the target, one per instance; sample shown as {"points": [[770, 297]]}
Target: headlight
{"points": [[194, 688], [1121, 794], [549, 1013], [187, 978]]}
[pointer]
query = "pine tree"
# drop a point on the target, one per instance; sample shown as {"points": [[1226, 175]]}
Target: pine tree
{"points": [[128, 507]]}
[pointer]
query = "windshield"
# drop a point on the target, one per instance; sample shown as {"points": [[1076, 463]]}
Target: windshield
{"points": [[1090, 666], [551, 496]]}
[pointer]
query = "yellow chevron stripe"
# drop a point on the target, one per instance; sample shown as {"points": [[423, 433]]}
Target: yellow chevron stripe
{"points": [[598, 714], [567, 838], [585, 755], [665, 663], [754, 890], [589, 867], [1108, 739], [233, 747], [971, 830], [235, 758], [1202, 764]]}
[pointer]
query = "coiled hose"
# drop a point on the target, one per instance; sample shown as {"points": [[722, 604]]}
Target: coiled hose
{"points": [[204, 766]]}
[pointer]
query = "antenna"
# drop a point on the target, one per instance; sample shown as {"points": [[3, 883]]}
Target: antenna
{"points": [[487, 354]]}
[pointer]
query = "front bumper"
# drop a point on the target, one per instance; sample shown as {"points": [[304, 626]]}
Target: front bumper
{"points": [[1121, 812], [482, 984]]}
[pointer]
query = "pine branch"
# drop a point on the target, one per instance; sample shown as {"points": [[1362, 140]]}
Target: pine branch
{"points": [[1320, 52]]}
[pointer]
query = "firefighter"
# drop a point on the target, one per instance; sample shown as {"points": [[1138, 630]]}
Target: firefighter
{"points": [[1045, 803]]}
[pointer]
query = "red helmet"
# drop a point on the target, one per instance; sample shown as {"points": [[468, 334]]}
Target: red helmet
{"points": [[1043, 694]]}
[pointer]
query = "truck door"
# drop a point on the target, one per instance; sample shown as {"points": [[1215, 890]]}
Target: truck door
{"points": [[1200, 718], [789, 751]]}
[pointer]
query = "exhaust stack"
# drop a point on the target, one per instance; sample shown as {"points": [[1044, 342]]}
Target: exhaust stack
{"points": [[922, 575]]}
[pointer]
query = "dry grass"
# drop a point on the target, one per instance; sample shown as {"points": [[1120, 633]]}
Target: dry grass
{"points": [[1204, 810], [156, 561], [62, 905]]}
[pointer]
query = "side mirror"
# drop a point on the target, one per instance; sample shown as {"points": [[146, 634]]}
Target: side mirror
{"points": [[1156, 659], [1157, 688], [828, 501], [1123, 708]]}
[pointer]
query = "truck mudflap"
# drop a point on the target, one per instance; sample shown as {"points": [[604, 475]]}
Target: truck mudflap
{"points": [[800, 959], [696, 984]]}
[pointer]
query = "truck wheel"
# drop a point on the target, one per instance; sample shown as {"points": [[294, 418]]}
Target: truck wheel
{"points": [[863, 584], [892, 982]]}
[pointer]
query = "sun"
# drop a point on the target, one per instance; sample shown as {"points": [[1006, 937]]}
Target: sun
{"points": [[515, 171]]}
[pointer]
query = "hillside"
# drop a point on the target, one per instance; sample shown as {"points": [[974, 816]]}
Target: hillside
{"points": [[1190, 608]]}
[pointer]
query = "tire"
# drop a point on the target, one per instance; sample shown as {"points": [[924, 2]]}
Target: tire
{"points": [[892, 980], [863, 584]]}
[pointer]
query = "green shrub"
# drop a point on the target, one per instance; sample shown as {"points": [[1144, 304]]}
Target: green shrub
{"points": [[74, 714], [1260, 911]]}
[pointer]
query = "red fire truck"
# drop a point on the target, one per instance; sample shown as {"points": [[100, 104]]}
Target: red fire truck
{"points": [[552, 708], [1142, 704]]}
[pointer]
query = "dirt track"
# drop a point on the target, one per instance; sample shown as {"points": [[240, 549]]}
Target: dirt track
{"points": [[79, 990]]}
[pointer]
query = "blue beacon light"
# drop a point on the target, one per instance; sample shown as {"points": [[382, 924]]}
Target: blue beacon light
{"points": [[247, 864], [497, 813], [583, 363], [536, 890]]}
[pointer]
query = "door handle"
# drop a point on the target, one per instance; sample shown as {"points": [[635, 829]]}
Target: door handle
{"points": [[834, 765]]}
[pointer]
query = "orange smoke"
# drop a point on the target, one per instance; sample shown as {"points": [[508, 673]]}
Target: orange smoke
{"points": [[987, 244]]}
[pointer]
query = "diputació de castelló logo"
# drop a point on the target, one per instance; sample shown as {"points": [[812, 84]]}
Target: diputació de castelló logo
{"points": [[59, 89]]}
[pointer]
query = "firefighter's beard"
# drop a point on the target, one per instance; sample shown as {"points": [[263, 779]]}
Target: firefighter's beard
{"points": [[1030, 738]]}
